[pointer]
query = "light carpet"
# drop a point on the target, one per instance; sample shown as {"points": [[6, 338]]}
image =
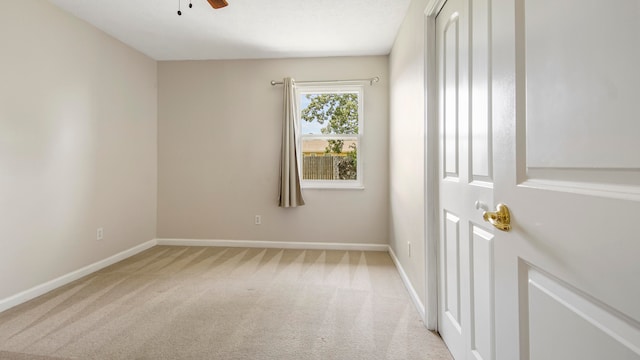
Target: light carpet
{"points": [[226, 303]]}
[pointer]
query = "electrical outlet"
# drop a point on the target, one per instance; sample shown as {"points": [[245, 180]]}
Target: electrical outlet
{"points": [[100, 234], [258, 220], [409, 246]]}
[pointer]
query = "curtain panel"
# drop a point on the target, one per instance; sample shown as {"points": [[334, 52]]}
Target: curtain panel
{"points": [[290, 192]]}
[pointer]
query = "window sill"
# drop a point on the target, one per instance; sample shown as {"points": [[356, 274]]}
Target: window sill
{"points": [[331, 186]]}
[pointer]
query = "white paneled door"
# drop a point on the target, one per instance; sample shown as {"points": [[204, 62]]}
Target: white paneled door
{"points": [[566, 77], [538, 109], [466, 179]]}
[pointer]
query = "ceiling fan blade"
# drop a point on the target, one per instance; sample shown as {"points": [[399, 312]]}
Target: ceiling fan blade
{"points": [[217, 4]]}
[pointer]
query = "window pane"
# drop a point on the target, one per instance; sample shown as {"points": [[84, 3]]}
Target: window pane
{"points": [[330, 159], [329, 113]]}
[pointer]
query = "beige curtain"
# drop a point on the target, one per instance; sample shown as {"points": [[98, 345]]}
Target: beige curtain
{"points": [[290, 193]]}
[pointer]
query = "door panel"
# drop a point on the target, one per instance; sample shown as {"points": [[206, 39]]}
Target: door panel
{"points": [[567, 162], [577, 60], [451, 96], [565, 324], [452, 55], [575, 70], [481, 335], [466, 173], [481, 129], [451, 264]]}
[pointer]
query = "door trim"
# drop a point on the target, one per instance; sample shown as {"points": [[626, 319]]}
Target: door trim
{"points": [[431, 148]]}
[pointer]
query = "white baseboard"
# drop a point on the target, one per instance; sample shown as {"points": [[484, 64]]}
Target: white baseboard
{"points": [[274, 244], [41, 289], [407, 283]]}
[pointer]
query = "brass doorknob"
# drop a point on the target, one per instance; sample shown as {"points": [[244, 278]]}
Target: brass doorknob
{"points": [[501, 218]]}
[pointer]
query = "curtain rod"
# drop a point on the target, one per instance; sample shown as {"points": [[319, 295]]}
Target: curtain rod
{"points": [[369, 80]]}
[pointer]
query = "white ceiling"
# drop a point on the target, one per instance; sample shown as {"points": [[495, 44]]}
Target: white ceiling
{"points": [[246, 29]]}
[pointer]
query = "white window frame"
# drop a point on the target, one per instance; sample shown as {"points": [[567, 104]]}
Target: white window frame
{"points": [[303, 89]]}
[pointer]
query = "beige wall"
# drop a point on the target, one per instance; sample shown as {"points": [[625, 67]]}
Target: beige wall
{"points": [[77, 145], [219, 147], [407, 146]]}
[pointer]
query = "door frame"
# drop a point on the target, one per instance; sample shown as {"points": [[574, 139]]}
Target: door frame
{"points": [[431, 148]]}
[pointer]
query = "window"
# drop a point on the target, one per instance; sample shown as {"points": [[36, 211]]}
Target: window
{"points": [[330, 136]]}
